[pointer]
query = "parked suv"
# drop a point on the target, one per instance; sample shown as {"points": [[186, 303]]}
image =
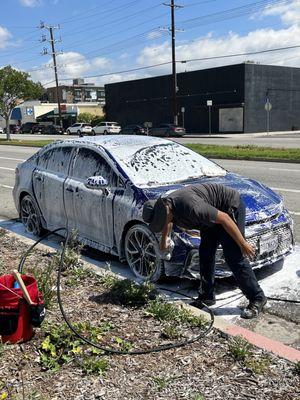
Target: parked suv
{"points": [[167, 130], [106, 128], [80, 129]]}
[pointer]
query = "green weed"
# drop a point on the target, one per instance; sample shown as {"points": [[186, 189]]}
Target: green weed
{"points": [[258, 365], [239, 348], [128, 293], [161, 382], [62, 346], [123, 344], [163, 311], [94, 365], [171, 331], [46, 280], [197, 396]]}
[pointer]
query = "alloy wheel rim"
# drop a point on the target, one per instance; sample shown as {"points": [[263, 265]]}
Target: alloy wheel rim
{"points": [[29, 216], [141, 254]]}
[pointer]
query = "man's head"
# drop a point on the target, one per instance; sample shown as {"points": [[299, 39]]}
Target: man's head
{"points": [[157, 214]]}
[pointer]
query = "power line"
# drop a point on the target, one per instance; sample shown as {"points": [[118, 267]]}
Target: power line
{"points": [[187, 60], [232, 12]]}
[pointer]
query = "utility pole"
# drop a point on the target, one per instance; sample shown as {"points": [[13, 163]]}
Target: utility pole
{"points": [[174, 76], [54, 53]]}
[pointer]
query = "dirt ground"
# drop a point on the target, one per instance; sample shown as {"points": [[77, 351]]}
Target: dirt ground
{"points": [[57, 365]]}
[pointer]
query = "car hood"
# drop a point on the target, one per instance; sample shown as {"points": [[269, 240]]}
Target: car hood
{"points": [[261, 202]]}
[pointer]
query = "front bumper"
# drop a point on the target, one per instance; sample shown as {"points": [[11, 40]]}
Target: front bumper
{"points": [[285, 245]]}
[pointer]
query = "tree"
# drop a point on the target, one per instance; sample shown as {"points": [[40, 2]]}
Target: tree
{"points": [[90, 118], [15, 86]]}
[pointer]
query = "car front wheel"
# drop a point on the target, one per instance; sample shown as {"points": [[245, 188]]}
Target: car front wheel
{"points": [[142, 254], [93, 133], [68, 132], [30, 216]]}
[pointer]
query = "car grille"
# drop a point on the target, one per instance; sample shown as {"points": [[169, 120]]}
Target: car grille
{"points": [[285, 242], [285, 245]]}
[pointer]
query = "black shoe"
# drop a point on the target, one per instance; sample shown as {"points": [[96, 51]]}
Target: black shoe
{"points": [[201, 302], [253, 309]]}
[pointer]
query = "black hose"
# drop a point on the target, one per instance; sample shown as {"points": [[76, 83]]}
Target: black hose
{"points": [[96, 345]]}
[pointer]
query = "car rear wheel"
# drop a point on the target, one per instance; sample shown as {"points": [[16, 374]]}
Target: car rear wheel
{"points": [[30, 216], [93, 133], [79, 133], [105, 133], [142, 254]]}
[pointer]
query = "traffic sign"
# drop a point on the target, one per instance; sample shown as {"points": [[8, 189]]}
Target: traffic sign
{"points": [[268, 106]]}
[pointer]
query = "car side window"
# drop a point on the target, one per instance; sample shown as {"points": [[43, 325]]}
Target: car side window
{"points": [[89, 163], [56, 160]]}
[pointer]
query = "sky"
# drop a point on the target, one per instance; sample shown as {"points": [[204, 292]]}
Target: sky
{"points": [[98, 39]]}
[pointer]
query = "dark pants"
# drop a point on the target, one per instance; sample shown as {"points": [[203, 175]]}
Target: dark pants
{"points": [[239, 265]]}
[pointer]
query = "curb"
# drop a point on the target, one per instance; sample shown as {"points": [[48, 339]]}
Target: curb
{"points": [[273, 346]]}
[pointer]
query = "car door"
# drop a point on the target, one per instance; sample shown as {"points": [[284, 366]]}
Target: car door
{"points": [[90, 211], [48, 184]]}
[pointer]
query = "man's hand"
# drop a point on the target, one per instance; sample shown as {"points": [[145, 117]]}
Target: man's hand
{"points": [[248, 250]]}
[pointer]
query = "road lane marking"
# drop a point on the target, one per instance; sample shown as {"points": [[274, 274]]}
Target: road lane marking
{"points": [[9, 169], [13, 159], [286, 190], [7, 187], [284, 169]]}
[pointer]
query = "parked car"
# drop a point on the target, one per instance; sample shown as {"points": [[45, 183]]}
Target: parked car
{"points": [[133, 130], [167, 130], [48, 129], [13, 128], [106, 128], [28, 127], [99, 186], [80, 128]]}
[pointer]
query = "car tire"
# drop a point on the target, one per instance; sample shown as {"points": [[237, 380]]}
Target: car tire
{"points": [[93, 133], [105, 133], [79, 133], [68, 132], [142, 253], [30, 216]]}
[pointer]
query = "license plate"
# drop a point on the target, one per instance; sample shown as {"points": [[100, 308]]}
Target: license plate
{"points": [[268, 243]]}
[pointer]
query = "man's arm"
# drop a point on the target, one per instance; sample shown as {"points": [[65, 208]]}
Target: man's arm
{"points": [[232, 229], [164, 236]]}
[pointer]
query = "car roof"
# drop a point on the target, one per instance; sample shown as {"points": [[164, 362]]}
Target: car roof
{"points": [[112, 142]]}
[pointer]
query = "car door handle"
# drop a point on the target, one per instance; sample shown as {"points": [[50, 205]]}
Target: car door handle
{"points": [[72, 190]]}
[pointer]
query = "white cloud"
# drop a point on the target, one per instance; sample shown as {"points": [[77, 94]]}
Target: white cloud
{"points": [[288, 13], [5, 35], [210, 46], [30, 3]]}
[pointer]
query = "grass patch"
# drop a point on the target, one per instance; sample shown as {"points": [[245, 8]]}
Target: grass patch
{"points": [[166, 312], [258, 365], [246, 152], [26, 143], [126, 292], [239, 348]]}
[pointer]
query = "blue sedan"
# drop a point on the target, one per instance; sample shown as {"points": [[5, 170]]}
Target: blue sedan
{"points": [[98, 185]]}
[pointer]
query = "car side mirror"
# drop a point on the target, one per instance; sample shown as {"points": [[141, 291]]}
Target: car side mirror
{"points": [[96, 182]]}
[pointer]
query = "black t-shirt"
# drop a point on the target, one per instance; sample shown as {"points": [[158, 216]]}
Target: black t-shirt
{"points": [[196, 206]]}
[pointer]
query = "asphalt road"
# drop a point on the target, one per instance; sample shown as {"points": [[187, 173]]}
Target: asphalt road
{"points": [[284, 178], [291, 140]]}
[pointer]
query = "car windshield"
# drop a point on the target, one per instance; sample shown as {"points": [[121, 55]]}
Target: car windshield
{"points": [[164, 164]]}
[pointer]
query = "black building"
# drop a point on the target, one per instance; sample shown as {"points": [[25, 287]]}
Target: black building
{"points": [[238, 94]]}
